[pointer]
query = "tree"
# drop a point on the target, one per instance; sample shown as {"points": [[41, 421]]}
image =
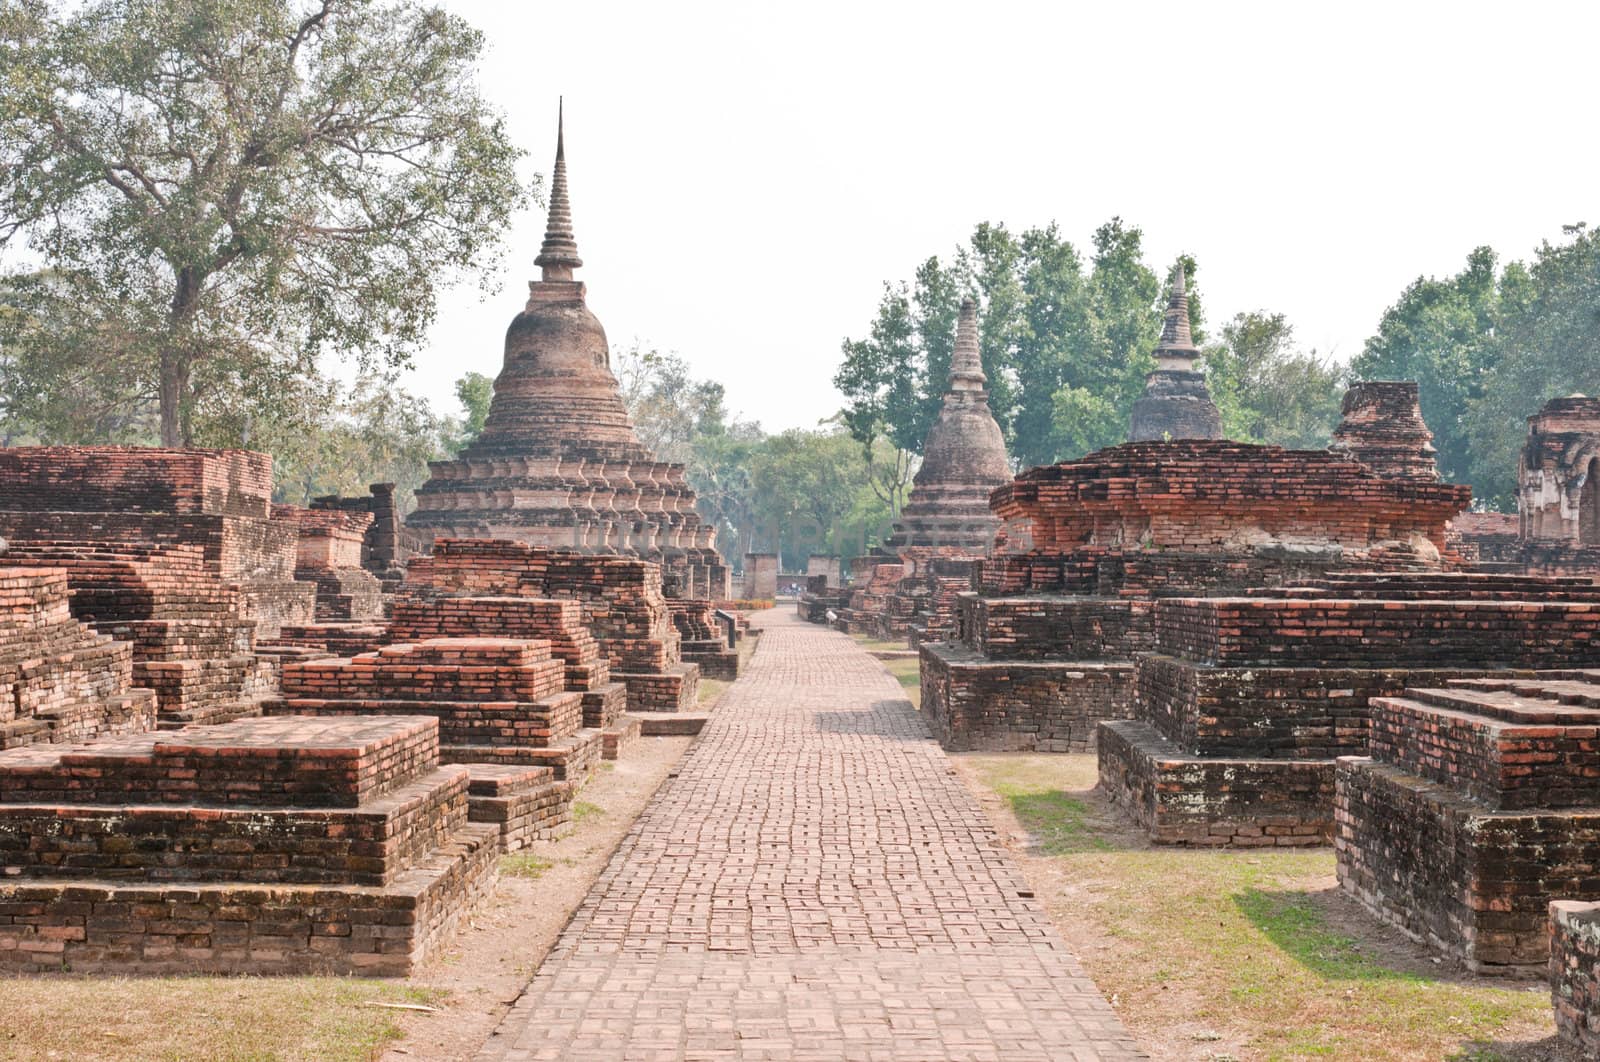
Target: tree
{"points": [[1441, 333], [233, 186], [1546, 344], [475, 392], [1270, 391], [669, 407]]}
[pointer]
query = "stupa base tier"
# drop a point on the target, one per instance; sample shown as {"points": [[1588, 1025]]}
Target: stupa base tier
{"points": [[602, 707], [621, 736], [676, 689], [1214, 802], [525, 804], [91, 927], [572, 758], [1471, 883], [977, 705]]}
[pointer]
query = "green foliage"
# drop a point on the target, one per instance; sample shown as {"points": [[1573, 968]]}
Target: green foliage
{"points": [[227, 189], [1056, 342], [475, 392], [1267, 389], [1547, 345]]}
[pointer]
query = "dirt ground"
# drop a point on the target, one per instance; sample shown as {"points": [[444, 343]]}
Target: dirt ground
{"points": [[540, 887]]}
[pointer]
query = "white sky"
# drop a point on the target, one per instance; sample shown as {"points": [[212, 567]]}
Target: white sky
{"points": [[745, 176]]}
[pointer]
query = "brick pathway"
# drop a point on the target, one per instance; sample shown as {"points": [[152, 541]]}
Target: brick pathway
{"points": [[815, 883]]}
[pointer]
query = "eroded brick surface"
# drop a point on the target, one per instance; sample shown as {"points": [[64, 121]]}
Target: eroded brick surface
{"points": [[815, 883]]}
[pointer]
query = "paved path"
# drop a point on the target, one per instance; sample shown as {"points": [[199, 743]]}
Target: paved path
{"points": [[815, 883]]}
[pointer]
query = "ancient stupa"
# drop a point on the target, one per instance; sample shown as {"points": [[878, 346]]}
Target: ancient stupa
{"points": [[1175, 403], [558, 463], [963, 459]]}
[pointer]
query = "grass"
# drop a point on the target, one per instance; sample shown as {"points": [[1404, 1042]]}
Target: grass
{"points": [[583, 811], [909, 672], [525, 865], [1241, 943], [871, 644], [169, 1019]]}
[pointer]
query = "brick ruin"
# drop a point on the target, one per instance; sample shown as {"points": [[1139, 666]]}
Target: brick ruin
{"points": [[1175, 403], [257, 846], [1047, 642], [177, 552], [1476, 809], [946, 524], [386, 544], [328, 555], [1557, 527], [558, 463], [1382, 428], [1574, 969], [623, 607]]}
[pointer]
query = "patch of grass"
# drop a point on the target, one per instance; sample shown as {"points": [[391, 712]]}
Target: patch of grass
{"points": [[1243, 938], [524, 865], [183, 1018], [909, 674], [583, 811], [710, 690], [870, 643]]}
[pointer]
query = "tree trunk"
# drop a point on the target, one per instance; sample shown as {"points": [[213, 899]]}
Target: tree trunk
{"points": [[175, 362]]}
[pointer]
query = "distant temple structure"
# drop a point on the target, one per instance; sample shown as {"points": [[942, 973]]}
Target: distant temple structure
{"points": [[1175, 403], [908, 588], [558, 463], [963, 459]]}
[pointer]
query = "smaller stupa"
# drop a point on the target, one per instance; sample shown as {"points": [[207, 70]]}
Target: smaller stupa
{"points": [[1175, 403], [963, 459]]}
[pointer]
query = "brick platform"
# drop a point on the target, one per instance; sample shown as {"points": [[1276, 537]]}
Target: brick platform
{"points": [[814, 883], [623, 607], [1476, 809], [1247, 702], [524, 803], [260, 846], [59, 679]]}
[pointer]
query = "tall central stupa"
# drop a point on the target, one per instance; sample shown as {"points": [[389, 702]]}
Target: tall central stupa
{"points": [[558, 463]]}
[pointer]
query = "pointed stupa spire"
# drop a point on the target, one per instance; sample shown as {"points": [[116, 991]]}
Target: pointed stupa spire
{"points": [[559, 255], [966, 364], [1176, 338]]}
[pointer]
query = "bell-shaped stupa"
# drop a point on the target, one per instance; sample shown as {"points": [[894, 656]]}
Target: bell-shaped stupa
{"points": [[963, 459], [1175, 403], [558, 463]]}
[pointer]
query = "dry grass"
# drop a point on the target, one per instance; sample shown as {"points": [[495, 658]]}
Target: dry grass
{"points": [[909, 672], [179, 1018], [1248, 954], [871, 644]]}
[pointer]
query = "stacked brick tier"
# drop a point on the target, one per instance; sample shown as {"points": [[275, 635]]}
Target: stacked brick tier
{"points": [[524, 803], [819, 599], [500, 700], [874, 580], [258, 846], [623, 607], [702, 639], [1478, 806], [328, 555], [60, 680], [1225, 497], [112, 498], [1245, 703], [192, 644], [560, 623]]}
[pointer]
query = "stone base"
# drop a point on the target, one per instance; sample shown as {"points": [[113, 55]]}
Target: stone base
{"points": [[681, 725], [620, 736], [91, 927], [573, 758], [1575, 973], [130, 713], [604, 706], [973, 704], [1194, 800], [677, 689], [1471, 883], [714, 659], [525, 804]]}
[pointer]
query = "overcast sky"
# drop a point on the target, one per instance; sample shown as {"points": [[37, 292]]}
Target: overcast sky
{"points": [[745, 176]]}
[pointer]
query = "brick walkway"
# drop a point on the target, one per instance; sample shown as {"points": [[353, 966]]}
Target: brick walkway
{"points": [[815, 883]]}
